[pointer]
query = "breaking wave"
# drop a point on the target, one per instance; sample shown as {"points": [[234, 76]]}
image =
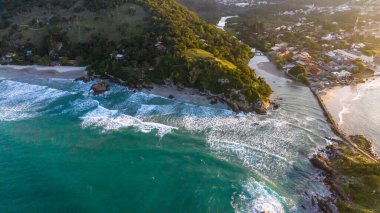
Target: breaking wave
{"points": [[258, 198], [20, 101], [268, 145], [114, 120]]}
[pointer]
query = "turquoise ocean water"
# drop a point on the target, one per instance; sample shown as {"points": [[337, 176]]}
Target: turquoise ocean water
{"points": [[65, 150]]}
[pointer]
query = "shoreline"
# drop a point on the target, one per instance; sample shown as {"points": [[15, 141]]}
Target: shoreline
{"points": [[344, 104], [168, 90], [337, 161], [321, 101], [64, 72], [59, 69], [337, 130], [186, 95]]}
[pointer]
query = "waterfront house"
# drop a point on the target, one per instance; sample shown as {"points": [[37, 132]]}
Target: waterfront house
{"points": [[9, 57], [28, 53], [160, 46], [119, 57]]}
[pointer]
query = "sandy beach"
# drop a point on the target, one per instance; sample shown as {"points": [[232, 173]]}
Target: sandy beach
{"points": [[329, 94], [355, 109], [66, 72], [60, 69]]}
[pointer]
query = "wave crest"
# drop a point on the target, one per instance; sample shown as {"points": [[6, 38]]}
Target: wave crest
{"points": [[114, 120]]}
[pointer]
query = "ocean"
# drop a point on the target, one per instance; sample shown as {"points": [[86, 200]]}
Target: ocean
{"points": [[63, 149]]}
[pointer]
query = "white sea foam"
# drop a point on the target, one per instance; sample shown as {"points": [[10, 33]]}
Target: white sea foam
{"points": [[21, 100], [345, 110], [260, 144], [162, 110], [357, 96], [258, 198], [363, 89], [79, 106], [141, 97], [114, 120]]}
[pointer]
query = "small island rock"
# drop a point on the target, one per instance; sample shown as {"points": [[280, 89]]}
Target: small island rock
{"points": [[100, 88]]}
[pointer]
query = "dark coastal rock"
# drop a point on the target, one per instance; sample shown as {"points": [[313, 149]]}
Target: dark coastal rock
{"points": [[245, 107], [234, 106], [100, 88], [275, 106], [261, 107], [171, 96], [221, 100], [148, 87], [321, 163], [365, 144], [85, 79], [338, 191], [180, 87], [261, 111], [213, 100], [326, 205], [139, 87]]}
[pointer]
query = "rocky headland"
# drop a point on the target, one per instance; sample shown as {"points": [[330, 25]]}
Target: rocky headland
{"points": [[174, 91], [353, 177]]}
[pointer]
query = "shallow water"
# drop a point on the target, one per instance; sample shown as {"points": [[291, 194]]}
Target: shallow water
{"points": [[356, 109], [63, 149]]}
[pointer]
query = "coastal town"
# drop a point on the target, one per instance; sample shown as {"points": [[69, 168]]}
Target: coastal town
{"points": [[336, 61], [341, 49]]}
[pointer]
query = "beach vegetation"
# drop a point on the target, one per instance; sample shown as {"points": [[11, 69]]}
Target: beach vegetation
{"points": [[157, 40]]}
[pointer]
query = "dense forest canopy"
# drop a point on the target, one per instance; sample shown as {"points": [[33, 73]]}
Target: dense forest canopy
{"points": [[152, 39]]}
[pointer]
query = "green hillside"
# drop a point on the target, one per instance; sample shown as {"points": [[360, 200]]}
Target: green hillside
{"points": [[139, 41]]}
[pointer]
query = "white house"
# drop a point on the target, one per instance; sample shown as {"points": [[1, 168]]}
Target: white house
{"points": [[342, 74]]}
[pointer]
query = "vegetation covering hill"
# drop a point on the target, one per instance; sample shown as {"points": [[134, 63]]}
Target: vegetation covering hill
{"points": [[139, 41], [353, 177]]}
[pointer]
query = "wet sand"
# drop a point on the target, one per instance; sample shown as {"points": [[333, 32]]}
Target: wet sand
{"points": [[64, 72]]}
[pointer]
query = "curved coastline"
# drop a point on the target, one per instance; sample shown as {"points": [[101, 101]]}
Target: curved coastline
{"points": [[338, 159], [66, 72], [339, 132]]}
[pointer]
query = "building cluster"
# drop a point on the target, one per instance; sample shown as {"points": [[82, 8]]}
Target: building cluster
{"points": [[245, 3], [335, 61], [370, 28], [312, 8], [334, 67]]}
